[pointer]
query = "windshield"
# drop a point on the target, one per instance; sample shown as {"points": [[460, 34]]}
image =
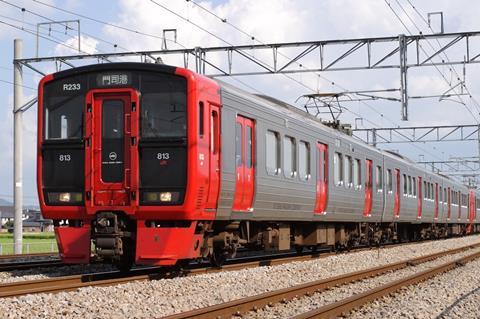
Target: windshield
{"points": [[64, 117], [163, 107]]}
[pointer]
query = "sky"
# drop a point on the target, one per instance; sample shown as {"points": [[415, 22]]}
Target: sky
{"points": [[269, 21]]}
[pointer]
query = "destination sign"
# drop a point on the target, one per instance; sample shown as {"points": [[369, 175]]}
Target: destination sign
{"points": [[114, 79]]}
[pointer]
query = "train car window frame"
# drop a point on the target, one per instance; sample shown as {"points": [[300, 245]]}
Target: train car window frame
{"points": [[289, 157], [357, 173], [70, 112], [201, 119], [348, 170], [164, 107], [238, 144], [272, 153], [389, 181], [304, 172], [248, 148], [405, 185], [338, 168], [379, 179], [414, 187], [410, 186]]}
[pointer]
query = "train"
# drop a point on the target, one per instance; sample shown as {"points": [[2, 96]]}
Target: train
{"points": [[150, 164]]}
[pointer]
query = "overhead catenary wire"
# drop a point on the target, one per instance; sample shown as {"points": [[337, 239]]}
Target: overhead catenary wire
{"points": [[45, 34], [225, 20], [257, 90], [48, 37], [24, 86], [425, 52], [446, 56], [23, 9], [117, 26]]}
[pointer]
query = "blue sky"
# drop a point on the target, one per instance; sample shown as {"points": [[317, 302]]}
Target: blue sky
{"points": [[268, 20]]}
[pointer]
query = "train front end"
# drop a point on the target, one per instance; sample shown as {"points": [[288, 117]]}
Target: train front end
{"points": [[127, 164]]}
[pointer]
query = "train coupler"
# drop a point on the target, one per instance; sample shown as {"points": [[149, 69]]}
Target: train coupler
{"points": [[110, 235]]}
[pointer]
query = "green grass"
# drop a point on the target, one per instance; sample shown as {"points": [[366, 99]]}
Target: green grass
{"points": [[32, 243]]}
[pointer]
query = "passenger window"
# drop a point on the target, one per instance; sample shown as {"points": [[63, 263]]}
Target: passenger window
{"points": [[238, 144], [248, 150], [348, 171], [410, 188], [405, 185], [273, 153], [304, 160], [379, 181], [357, 173], [414, 184], [389, 181], [337, 168], [289, 157], [200, 119]]}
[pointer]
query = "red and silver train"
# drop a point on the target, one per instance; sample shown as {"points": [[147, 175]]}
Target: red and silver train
{"points": [[153, 164]]}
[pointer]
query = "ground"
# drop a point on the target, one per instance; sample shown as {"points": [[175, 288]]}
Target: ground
{"points": [[32, 243]]}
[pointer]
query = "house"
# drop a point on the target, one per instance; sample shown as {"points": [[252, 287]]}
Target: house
{"points": [[33, 220], [7, 214], [36, 223]]}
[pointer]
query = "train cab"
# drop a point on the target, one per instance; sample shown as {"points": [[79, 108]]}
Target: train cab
{"points": [[128, 161]]}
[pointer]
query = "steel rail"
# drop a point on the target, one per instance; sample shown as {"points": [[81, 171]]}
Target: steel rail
{"points": [[20, 265], [17, 256], [243, 305], [345, 306], [73, 282]]}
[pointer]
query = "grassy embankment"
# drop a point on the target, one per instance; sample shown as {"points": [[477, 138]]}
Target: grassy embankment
{"points": [[32, 243]]}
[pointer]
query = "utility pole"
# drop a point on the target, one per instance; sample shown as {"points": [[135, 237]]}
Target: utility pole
{"points": [[17, 146]]}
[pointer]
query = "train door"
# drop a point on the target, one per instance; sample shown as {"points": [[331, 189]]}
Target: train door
{"points": [[111, 129], [214, 150], [396, 207], [471, 209], [420, 198], [322, 179], [244, 164], [368, 188], [436, 201]]}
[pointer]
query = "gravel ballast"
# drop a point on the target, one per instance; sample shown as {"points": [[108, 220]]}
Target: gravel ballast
{"points": [[158, 298], [304, 304], [49, 272], [455, 294]]}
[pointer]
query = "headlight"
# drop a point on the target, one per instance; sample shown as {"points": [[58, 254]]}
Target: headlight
{"points": [[160, 197], [64, 198], [166, 197]]}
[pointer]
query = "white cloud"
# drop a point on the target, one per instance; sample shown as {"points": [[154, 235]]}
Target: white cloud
{"points": [[88, 45]]}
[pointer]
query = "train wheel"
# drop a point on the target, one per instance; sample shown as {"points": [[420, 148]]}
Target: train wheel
{"points": [[125, 265], [298, 249], [218, 257]]}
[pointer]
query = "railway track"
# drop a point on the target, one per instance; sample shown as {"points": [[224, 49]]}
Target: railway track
{"points": [[70, 283], [240, 306], [27, 256], [21, 265], [73, 282]]}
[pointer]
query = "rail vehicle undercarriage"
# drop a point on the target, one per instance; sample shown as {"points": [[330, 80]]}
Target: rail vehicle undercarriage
{"points": [[113, 236]]}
